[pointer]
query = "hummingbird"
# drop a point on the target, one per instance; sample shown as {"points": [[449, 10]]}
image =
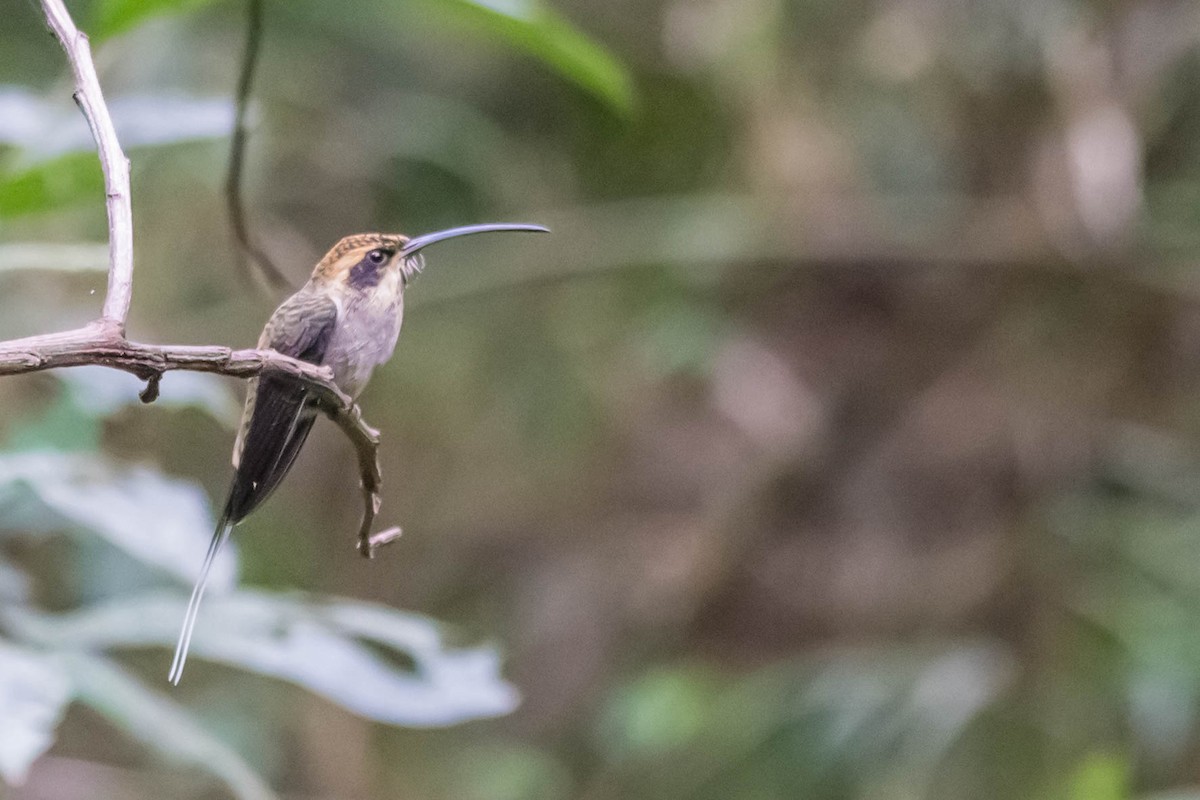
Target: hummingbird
{"points": [[346, 317]]}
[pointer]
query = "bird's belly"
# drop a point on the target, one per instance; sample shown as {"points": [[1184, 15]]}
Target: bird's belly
{"points": [[365, 339]]}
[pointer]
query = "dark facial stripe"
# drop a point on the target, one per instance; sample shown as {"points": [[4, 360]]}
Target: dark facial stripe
{"points": [[366, 274]]}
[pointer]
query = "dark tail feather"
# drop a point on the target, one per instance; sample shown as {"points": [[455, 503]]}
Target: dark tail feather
{"points": [[189, 619]]}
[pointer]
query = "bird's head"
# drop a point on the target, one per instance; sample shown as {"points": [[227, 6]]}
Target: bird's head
{"points": [[365, 260]]}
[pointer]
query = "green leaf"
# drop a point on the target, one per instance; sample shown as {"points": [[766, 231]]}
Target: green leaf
{"points": [[112, 17], [1101, 776], [51, 184], [163, 726], [377, 662], [528, 26], [34, 691], [157, 520], [532, 27]]}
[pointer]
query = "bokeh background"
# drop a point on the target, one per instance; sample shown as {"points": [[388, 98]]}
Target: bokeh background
{"points": [[841, 442]]}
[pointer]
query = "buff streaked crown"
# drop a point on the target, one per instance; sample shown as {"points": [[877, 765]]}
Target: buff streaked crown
{"points": [[351, 250]]}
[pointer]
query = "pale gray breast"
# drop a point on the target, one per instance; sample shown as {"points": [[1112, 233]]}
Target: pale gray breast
{"points": [[365, 337]]}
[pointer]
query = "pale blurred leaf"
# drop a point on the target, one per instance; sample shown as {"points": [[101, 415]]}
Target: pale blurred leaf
{"points": [[949, 691], [380, 663], [921, 702], [55, 257], [157, 520], [34, 691], [14, 584], [148, 120], [60, 424], [163, 726], [44, 128], [102, 392]]}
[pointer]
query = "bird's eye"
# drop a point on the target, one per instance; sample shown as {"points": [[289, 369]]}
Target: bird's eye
{"points": [[377, 256]]}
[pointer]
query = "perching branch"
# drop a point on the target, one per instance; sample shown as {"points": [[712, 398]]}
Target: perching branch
{"points": [[103, 341], [353, 425], [102, 344]]}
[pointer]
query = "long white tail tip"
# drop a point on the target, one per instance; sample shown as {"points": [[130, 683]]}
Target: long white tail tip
{"points": [[193, 608]]}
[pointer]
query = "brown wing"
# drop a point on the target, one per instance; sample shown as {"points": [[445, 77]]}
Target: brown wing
{"points": [[279, 412]]}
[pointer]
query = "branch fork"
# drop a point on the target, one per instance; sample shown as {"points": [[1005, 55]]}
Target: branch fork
{"points": [[103, 341]]}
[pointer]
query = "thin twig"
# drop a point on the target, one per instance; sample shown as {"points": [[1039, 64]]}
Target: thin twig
{"points": [[112, 160], [353, 425], [103, 342], [246, 249]]}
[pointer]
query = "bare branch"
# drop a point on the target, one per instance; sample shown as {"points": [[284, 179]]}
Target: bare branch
{"points": [[113, 161], [102, 344], [353, 426]]}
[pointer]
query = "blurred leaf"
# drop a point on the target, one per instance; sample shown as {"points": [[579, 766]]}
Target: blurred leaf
{"points": [[375, 661], [677, 144], [51, 184], [529, 26], [509, 773], [54, 256], [102, 392], [34, 691], [948, 692], [659, 711], [795, 731], [1101, 777], [42, 129], [534, 28], [682, 337], [154, 120], [111, 17], [158, 723], [14, 584], [157, 520], [1162, 709], [62, 424]]}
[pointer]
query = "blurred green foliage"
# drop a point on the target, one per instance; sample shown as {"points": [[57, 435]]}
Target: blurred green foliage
{"points": [[839, 444]]}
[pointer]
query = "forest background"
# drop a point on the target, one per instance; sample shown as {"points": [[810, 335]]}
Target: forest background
{"points": [[841, 442]]}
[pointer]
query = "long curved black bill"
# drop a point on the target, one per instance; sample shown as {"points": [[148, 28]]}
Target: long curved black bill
{"points": [[420, 242]]}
